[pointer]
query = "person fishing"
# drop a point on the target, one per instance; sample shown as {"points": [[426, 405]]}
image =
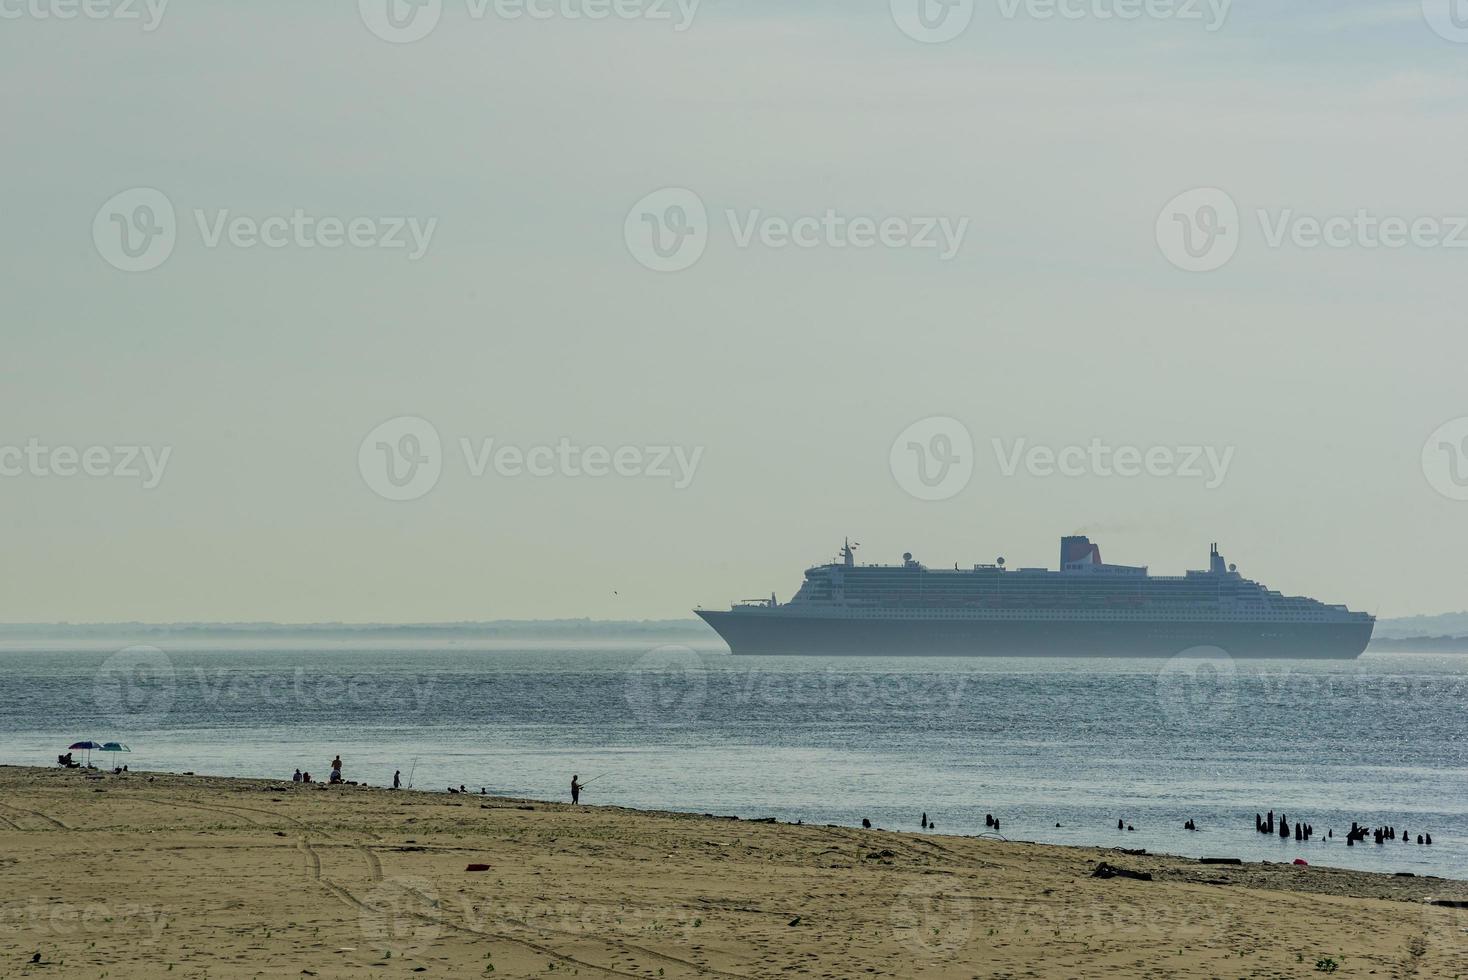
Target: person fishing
{"points": [[577, 785]]}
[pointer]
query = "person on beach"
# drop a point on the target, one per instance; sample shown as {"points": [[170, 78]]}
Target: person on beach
{"points": [[397, 779], [305, 777], [297, 777], [336, 770], [575, 790]]}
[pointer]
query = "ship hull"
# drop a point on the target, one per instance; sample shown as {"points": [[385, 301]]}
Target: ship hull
{"points": [[778, 633]]}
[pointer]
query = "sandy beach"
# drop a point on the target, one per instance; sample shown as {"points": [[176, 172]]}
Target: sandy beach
{"points": [[158, 875]]}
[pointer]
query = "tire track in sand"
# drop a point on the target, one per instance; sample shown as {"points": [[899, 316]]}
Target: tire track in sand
{"points": [[313, 867], [313, 860], [374, 865], [51, 822]]}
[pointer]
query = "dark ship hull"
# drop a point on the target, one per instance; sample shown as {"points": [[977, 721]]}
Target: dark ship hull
{"points": [[780, 631]]}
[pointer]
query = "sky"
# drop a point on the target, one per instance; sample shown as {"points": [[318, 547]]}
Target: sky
{"points": [[336, 312]]}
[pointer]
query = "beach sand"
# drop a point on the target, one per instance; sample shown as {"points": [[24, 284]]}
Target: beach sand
{"points": [[190, 877]]}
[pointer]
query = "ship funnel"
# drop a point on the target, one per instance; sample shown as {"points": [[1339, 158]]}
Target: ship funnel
{"points": [[1077, 549], [1216, 564]]}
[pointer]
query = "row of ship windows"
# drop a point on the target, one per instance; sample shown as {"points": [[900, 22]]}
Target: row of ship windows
{"points": [[1243, 616], [1071, 602], [1071, 594]]}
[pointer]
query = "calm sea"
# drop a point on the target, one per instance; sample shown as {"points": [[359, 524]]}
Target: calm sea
{"points": [[1039, 743]]}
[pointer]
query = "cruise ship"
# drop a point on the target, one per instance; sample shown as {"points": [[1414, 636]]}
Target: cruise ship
{"points": [[1086, 608]]}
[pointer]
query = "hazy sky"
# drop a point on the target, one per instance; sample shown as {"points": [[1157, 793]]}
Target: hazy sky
{"points": [[521, 151]]}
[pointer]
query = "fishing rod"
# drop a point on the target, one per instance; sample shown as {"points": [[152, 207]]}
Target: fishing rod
{"points": [[411, 768]]}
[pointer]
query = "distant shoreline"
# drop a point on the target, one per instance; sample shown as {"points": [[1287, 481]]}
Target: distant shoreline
{"points": [[494, 625]]}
